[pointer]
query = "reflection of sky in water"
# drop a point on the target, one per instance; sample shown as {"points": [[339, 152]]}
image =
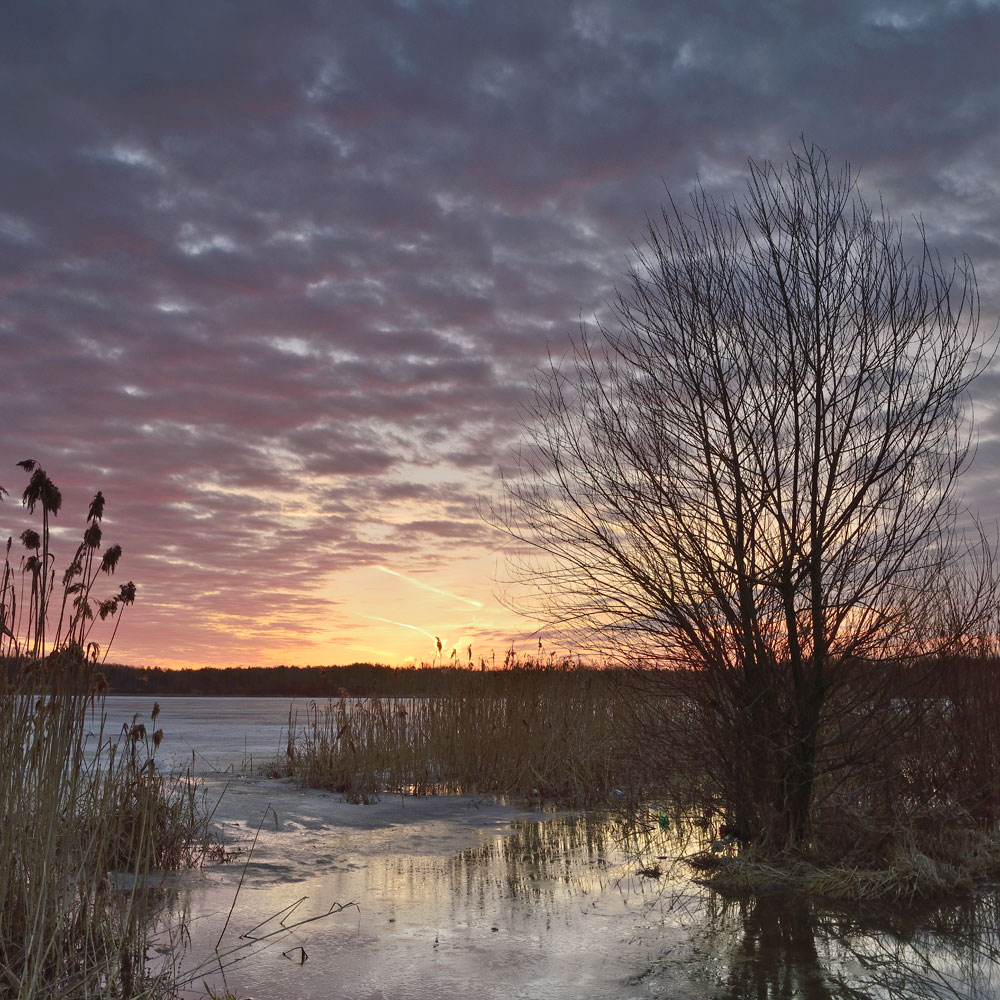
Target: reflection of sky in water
{"points": [[547, 910], [551, 910], [465, 897]]}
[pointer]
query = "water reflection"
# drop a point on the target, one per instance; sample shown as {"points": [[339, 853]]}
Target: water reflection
{"points": [[774, 947], [783, 947], [529, 863], [950, 951], [557, 908], [544, 872]]}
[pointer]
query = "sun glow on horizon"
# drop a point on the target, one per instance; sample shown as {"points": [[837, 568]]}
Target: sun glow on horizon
{"points": [[369, 614]]}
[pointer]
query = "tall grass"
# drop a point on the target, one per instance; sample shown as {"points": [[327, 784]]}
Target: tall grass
{"points": [[531, 731], [87, 816], [82, 808], [914, 815]]}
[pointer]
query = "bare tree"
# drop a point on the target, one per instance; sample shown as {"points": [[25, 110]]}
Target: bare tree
{"points": [[752, 477]]}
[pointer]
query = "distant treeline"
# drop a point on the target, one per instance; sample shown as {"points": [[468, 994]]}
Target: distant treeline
{"points": [[354, 680], [954, 678], [357, 679]]}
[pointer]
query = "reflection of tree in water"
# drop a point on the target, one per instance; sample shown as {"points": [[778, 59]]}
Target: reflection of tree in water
{"points": [[772, 947], [777, 956], [952, 951], [789, 948]]}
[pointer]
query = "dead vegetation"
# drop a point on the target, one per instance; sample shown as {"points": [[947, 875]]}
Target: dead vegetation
{"points": [[84, 808], [907, 817], [541, 732], [88, 817]]}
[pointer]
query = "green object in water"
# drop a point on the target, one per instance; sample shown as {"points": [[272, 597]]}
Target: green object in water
{"points": [[663, 820]]}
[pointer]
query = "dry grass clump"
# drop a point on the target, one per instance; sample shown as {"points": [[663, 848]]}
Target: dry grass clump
{"points": [[531, 731], [855, 858], [906, 804], [81, 806], [906, 876]]}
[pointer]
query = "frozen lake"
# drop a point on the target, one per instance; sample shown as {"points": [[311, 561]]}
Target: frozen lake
{"points": [[452, 896], [212, 736]]}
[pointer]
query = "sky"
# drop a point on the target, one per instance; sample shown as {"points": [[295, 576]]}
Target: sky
{"points": [[274, 277]]}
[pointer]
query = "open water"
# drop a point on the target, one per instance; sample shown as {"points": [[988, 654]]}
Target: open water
{"points": [[460, 897]]}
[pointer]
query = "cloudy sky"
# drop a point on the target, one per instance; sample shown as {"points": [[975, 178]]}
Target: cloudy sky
{"points": [[274, 276]]}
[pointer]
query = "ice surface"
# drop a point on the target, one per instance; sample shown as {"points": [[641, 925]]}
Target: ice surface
{"points": [[435, 896]]}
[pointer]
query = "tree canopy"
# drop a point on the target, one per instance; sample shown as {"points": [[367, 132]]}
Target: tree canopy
{"points": [[753, 471]]}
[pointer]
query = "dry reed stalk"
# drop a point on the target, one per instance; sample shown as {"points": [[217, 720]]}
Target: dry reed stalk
{"points": [[530, 732], [79, 808]]}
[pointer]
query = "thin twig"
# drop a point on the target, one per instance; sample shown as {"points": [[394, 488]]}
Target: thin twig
{"points": [[267, 920], [242, 876], [334, 908]]}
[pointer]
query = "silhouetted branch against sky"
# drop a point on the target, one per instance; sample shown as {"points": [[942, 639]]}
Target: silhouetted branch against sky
{"points": [[275, 276], [754, 469], [757, 461]]}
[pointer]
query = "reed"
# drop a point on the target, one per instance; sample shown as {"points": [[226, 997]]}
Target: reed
{"points": [[535, 731], [88, 819], [26, 604], [914, 816]]}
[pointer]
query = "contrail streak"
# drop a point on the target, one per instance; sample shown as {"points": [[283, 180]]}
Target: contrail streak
{"points": [[427, 586], [389, 621]]}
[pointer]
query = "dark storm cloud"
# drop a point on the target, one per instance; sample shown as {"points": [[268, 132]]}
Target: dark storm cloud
{"points": [[273, 275]]}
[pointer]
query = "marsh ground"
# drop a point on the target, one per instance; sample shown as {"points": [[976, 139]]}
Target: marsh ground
{"points": [[460, 896]]}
